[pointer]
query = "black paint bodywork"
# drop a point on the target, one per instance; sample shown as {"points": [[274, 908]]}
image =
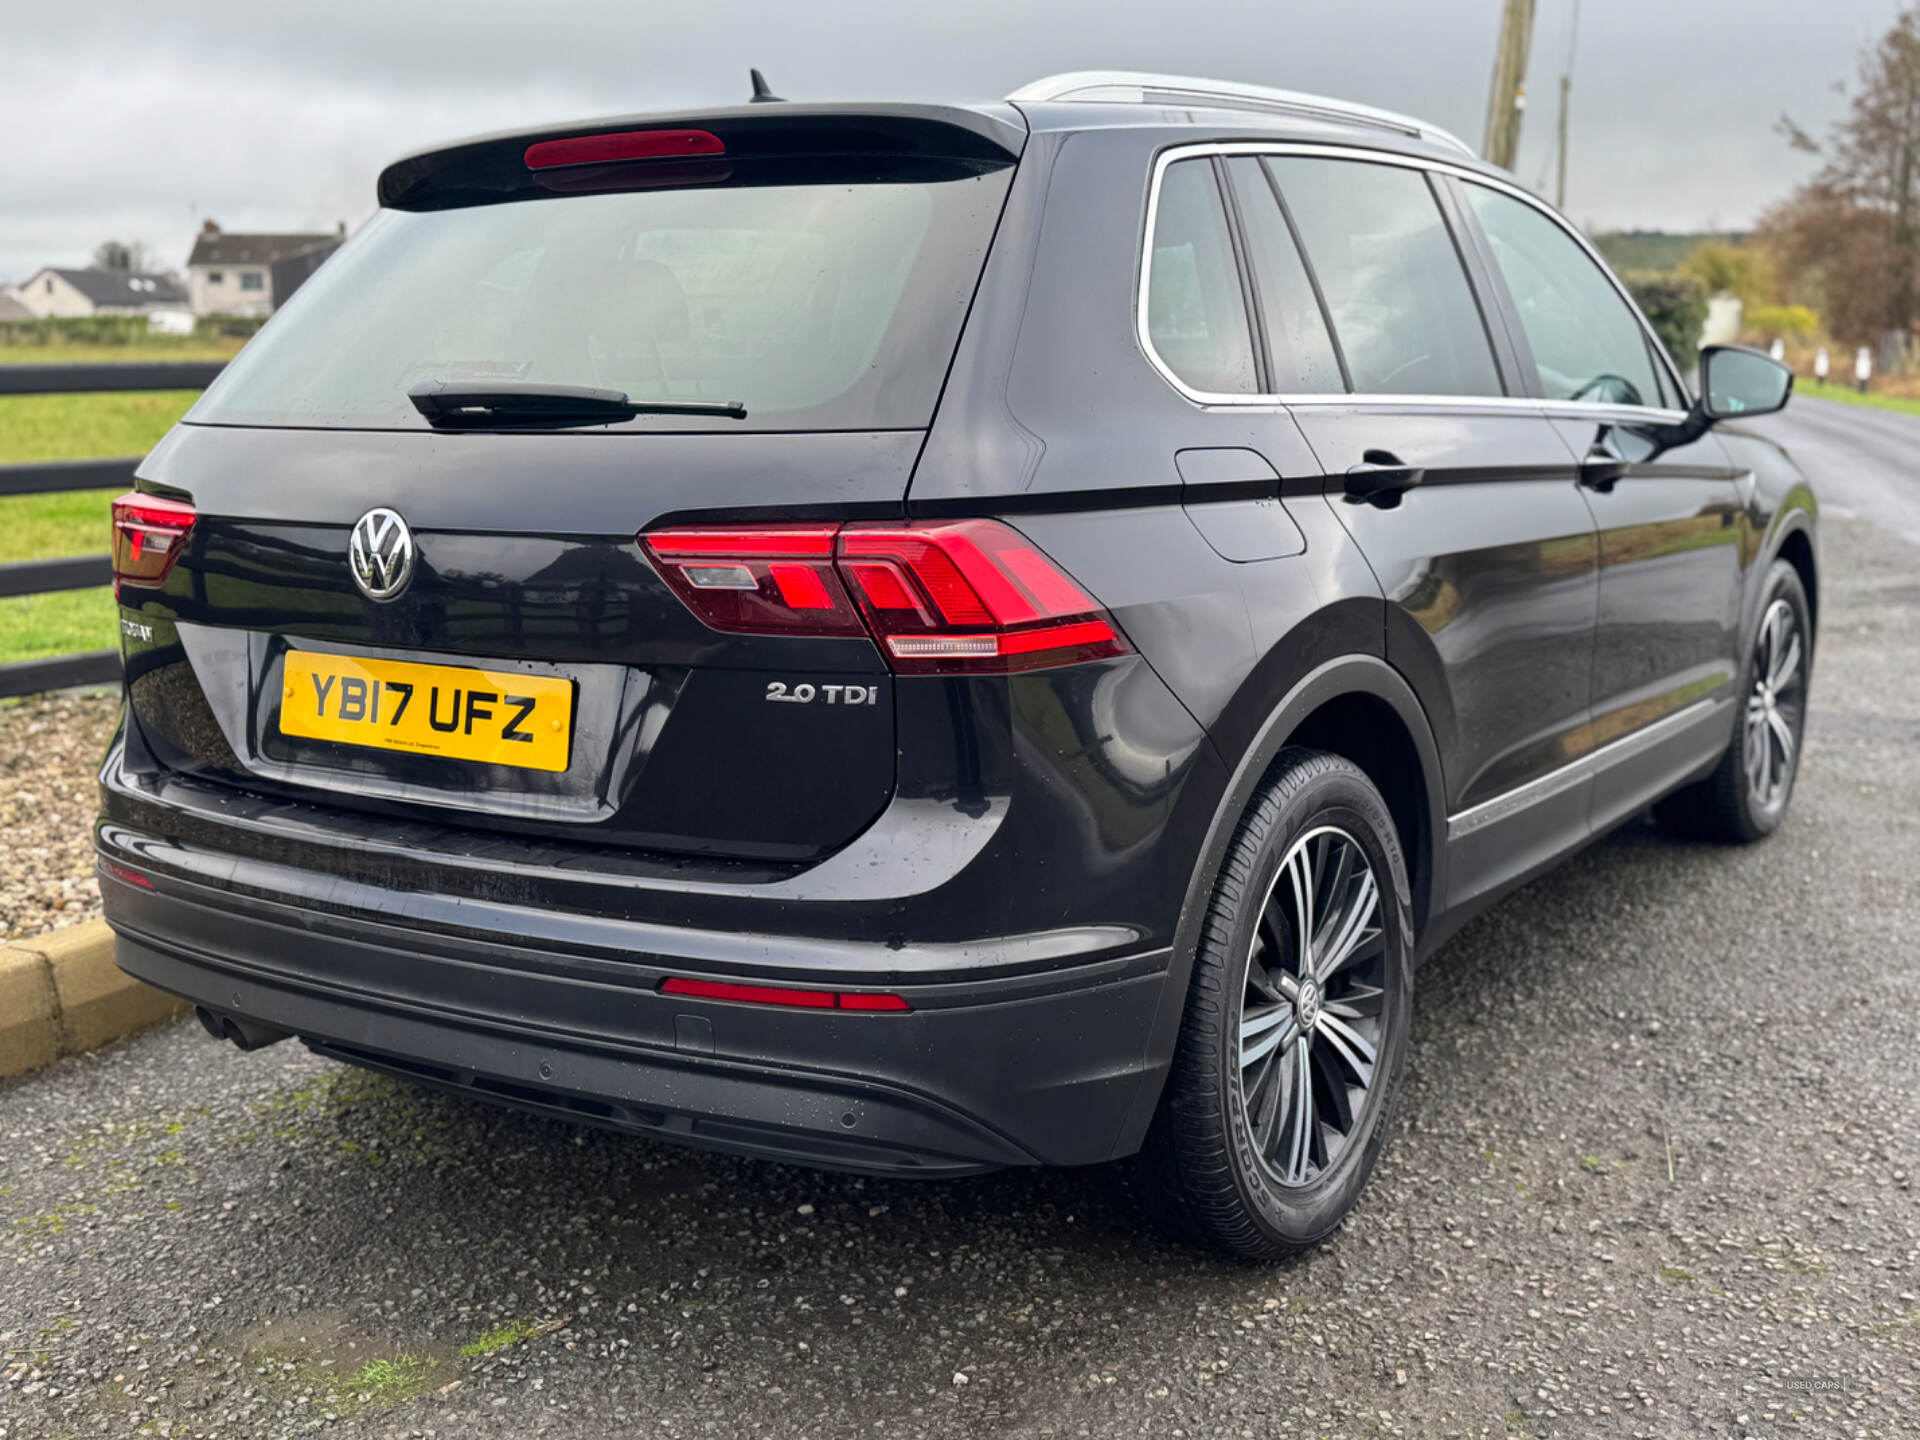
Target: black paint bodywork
{"points": [[1026, 859]]}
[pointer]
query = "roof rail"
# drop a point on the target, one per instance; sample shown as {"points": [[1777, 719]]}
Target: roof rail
{"points": [[1132, 87]]}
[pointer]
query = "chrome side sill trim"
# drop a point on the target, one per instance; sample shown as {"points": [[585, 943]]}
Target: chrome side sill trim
{"points": [[1478, 817]]}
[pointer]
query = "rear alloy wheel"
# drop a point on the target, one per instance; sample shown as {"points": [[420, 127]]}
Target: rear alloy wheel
{"points": [[1310, 1015], [1746, 796], [1291, 1053]]}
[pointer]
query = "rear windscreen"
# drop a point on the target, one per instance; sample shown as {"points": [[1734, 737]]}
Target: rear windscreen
{"points": [[817, 306]]}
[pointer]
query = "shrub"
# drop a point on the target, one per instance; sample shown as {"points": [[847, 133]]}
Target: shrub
{"points": [[1789, 322], [1738, 269], [1676, 306]]}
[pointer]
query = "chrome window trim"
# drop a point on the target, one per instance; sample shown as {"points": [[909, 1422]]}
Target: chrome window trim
{"points": [[1630, 414], [1554, 782]]}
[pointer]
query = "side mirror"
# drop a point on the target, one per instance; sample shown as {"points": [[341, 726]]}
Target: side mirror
{"points": [[1736, 382]]}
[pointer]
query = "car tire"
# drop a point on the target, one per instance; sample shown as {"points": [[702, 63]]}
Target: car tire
{"points": [[1746, 797], [1228, 1162]]}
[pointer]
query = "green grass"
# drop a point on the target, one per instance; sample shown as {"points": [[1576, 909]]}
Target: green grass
{"points": [[381, 1384], [45, 527], [152, 353], [500, 1337], [42, 527], [82, 427], [36, 627], [1846, 395]]}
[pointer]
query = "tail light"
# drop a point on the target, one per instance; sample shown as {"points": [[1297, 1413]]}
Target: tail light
{"points": [[149, 533], [939, 597], [772, 580]]}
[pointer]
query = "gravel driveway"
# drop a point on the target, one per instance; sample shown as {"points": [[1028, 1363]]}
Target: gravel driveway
{"points": [[50, 747], [1654, 1177]]}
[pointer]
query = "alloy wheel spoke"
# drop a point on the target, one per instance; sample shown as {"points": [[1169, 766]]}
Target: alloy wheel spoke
{"points": [[1783, 737], [1300, 877], [1356, 1002], [1300, 1126], [1336, 1102], [1275, 1097], [1260, 976], [1356, 929], [1785, 667], [1268, 1033], [1332, 907], [1353, 1047]]}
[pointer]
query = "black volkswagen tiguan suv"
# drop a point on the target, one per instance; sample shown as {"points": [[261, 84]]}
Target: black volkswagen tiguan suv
{"points": [[922, 638]]}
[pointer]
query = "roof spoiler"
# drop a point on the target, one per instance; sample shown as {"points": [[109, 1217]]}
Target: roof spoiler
{"points": [[830, 141]]}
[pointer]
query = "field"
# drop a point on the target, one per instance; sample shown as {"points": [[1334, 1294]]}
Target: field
{"points": [[1873, 399], [39, 527]]}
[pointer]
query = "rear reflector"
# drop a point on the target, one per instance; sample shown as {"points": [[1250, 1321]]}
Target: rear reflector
{"points": [[940, 598], [625, 145], [149, 533], [121, 872], [774, 995]]}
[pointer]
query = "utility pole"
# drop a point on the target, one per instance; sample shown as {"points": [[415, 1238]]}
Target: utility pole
{"points": [[1509, 95], [1566, 85], [1560, 171]]}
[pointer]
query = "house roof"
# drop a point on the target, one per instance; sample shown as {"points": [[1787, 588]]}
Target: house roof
{"points": [[223, 247], [12, 309], [118, 287]]}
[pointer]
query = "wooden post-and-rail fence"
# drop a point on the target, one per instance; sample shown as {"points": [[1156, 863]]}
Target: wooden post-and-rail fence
{"points": [[79, 572]]}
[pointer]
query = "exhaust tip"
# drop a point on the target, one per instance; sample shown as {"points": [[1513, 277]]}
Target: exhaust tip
{"points": [[243, 1034]]}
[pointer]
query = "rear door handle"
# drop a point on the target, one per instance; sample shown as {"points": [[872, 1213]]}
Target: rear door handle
{"points": [[1381, 478]]}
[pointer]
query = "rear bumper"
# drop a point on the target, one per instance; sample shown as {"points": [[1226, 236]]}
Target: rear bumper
{"points": [[1041, 1066]]}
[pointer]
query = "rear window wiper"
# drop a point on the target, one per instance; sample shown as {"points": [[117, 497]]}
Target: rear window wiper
{"points": [[449, 404]]}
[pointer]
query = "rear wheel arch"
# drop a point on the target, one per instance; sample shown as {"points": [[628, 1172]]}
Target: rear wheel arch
{"points": [[1335, 707]]}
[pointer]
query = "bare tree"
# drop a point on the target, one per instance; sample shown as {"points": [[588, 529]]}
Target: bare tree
{"points": [[115, 255], [1852, 233]]}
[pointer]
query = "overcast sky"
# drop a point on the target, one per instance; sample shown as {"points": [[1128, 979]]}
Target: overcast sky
{"points": [[135, 121]]}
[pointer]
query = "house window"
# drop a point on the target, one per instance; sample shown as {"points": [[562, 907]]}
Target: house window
{"points": [[252, 280], [216, 277], [49, 287]]}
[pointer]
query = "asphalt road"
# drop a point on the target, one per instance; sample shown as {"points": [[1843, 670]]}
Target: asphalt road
{"points": [[1654, 1178]]}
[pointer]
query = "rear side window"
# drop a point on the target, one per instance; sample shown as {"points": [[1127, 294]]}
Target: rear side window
{"points": [[1298, 346], [1196, 314], [817, 305], [1402, 309], [1587, 344]]}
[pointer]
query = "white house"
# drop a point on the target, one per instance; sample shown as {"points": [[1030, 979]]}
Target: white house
{"points": [[230, 274], [71, 293]]}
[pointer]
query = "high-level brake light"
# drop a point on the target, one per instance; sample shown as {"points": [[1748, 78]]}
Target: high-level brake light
{"points": [[625, 145], [149, 532], [938, 597]]}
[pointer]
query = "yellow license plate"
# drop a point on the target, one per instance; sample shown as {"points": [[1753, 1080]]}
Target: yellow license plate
{"points": [[491, 716]]}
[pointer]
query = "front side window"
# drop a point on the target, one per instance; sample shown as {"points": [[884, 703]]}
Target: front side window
{"points": [[1587, 343], [1394, 284], [1196, 314], [252, 280]]}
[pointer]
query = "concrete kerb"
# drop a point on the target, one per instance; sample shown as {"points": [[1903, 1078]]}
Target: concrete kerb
{"points": [[61, 994]]}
